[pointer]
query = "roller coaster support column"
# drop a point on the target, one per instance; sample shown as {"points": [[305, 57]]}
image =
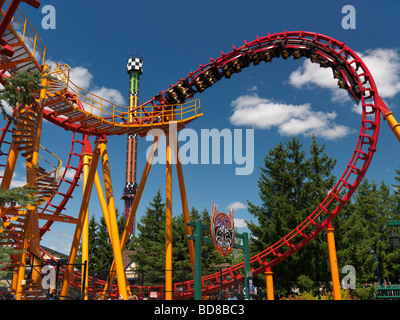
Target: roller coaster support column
{"points": [[185, 209], [333, 261], [81, 218], [270, 284], [85, 231], [33, 218], [388, 116], [168, 223], [132, 213], [115, 242], [394, 125]]}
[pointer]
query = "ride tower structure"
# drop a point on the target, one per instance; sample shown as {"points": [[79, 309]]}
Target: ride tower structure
{"points": [[134, 69]]}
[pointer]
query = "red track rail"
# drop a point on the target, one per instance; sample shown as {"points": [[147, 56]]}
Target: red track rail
{"points": [[74, 163]]}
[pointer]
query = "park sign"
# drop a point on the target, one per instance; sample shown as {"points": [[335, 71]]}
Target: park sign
{"points": [[222, 230]]}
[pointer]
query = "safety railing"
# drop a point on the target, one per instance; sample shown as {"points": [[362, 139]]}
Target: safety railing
{"points": [[28, 36], [119, 115], [54, 172]]}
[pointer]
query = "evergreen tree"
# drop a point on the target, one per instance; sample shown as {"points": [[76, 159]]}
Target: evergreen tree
{"points": [[362, 234], [21, 89], [150, 241], [290, 188]]}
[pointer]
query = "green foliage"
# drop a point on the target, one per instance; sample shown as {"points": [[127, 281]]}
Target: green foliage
{"points": [[366, 293], [291, 187], [21, 89], [305, 295], [149, 244], [4, 260], [305, 283], [100, 249], [22, 196]]}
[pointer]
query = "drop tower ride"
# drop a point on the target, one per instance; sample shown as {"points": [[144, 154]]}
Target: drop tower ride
{"points": [[134, 69]]}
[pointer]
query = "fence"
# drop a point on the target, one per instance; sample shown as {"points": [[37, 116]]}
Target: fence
{"points": [[388, 292]]}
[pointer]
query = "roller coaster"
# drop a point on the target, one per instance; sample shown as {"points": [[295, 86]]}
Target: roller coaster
{"points": [[85, 115]]}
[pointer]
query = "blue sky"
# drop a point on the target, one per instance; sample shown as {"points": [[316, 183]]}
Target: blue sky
{"points": [[174, 37]]}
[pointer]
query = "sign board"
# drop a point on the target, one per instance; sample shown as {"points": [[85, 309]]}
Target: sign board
{"points": [[222, 230]]}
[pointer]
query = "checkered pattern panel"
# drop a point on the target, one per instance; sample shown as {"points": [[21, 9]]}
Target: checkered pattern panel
{"points": [[135, 64]]}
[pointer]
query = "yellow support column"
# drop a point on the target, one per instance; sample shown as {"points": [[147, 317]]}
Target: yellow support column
{"points": [[168, 224], [21, 269], [9, 170], [185, 209], [333, 261], [79, 226], [134, 207], [270, 284], [121, 277], [85, 229], [393, 124]]}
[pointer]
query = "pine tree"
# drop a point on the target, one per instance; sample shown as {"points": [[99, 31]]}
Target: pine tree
{"points": [[290, 187], [150, 241], [21, 89]]}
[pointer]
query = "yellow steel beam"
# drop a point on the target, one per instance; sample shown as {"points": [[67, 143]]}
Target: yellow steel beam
{"points": [[333, 261], [393, 124], [119, 267], [81, 218], [185, 209], [132, 213], [85, 229], [168, 223]]}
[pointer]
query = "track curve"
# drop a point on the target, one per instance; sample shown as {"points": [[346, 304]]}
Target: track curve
{"points": [[352, 75], [65, 109]]}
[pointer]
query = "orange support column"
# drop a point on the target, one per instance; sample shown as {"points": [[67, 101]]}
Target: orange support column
{"points": [[184, 206], [79, 227], [168, 224], [270, 284], [132, 213], [333, 260], [115, 242], [85, 229]]}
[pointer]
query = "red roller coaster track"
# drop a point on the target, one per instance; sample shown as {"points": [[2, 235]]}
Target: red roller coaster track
{"points": [[352, 75]]}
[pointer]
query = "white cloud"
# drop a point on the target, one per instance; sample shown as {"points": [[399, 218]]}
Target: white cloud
{"points": [[384, 65], [81, 77], [240, 223], [262, 113], [237, 205], [17, 181], [69, 175], [111, 95], [312, 74]]}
